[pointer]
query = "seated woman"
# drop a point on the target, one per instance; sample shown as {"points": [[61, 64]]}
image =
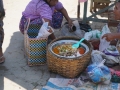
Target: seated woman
{"points": [[115, 71], [38, 9], [112, 37]]}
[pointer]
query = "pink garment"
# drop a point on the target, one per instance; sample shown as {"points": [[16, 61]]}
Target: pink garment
{"points": [[82, 0], [114, 72], [40, 9]]}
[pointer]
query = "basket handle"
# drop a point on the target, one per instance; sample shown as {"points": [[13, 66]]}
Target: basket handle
{"points": [[27, 24]]}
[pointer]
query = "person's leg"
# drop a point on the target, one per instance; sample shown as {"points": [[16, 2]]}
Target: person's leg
{"points": [[2, 59]]}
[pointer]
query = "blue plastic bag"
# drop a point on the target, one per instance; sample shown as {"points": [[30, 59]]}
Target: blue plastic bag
{"points": [[99, 73]]}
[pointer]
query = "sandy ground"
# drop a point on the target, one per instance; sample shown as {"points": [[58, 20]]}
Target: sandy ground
{"points": [[15, 74]]}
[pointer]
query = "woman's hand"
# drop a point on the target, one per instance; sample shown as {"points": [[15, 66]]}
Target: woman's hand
{"points": [[109, 36]]}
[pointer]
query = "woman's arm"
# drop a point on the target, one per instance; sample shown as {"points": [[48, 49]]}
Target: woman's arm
{"points": [[111, 36], [65, 14]]}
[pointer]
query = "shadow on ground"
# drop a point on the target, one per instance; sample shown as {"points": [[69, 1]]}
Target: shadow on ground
{"points": [[15, 74]]}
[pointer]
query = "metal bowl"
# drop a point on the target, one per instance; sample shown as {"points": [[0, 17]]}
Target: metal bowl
{"points": [[60, 42]]}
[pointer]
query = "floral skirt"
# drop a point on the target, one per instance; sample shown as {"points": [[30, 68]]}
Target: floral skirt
{"points": [[55, 23]]}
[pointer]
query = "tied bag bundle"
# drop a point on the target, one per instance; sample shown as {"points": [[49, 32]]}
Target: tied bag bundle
{"points": [[35, 42]]}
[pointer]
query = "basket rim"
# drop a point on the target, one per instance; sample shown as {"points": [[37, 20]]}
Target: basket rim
{"points": [[72, 38]]}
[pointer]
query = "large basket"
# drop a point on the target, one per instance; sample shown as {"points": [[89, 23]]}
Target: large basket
{"points": [[68, 67]]}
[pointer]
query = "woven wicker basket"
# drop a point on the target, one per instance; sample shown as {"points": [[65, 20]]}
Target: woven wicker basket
{"points": [[70, 67]]}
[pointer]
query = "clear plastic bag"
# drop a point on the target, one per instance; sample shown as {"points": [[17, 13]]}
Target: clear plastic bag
{"points": [[96, 58]]}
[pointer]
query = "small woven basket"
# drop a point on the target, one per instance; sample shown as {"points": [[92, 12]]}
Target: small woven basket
{"points": [[68, 67]]}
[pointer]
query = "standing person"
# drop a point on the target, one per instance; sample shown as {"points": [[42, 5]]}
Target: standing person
{"points": [[38, 9], [2, 14]]}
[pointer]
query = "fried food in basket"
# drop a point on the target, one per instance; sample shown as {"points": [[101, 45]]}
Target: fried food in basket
{"points": [[67, 50]]}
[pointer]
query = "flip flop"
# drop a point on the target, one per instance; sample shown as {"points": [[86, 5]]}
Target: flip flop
{"points": [[2, 59]]}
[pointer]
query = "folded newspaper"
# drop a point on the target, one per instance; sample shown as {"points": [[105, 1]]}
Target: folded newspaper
{"points": [[59, 84], [77, 84]]}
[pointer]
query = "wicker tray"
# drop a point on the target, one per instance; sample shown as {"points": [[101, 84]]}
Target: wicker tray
{"points": [[68, 67]]}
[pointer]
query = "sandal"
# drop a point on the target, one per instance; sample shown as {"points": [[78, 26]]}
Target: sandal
{"points": [[2, 59]]}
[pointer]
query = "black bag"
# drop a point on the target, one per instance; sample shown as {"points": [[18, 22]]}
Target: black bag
{"points": [[85, 27]]}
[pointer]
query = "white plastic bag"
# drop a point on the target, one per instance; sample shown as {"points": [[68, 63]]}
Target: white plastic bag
{"points": [[67, 31], [95, 34], [45, 30], [103, 42]]}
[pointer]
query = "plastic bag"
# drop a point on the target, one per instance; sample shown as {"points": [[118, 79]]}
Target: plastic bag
{"points": [[103, 42], [99, 73], [111, 61], [95, 34], [78, 32], [45, 30], [96, 58], [73, 31]]}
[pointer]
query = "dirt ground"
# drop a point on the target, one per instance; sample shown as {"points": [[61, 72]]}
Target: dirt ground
{"points": [[15, 74]]}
